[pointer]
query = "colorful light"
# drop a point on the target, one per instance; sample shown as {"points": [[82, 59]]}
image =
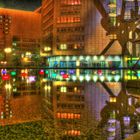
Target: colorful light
{"points": [[46, 72], [87, 77], [32, 78], [74, 78], [3, 71], [41, 72], [24, 74], [109, 78], [65, 76], [102, 78], [95, 78], [6, 77], [117, 78], [81, 78], [99, 72], [13, 73]]}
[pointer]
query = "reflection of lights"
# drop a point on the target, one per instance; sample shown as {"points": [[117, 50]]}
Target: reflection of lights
{"points": [[41, 72], [117, 78], [74, 78], [25, 59], [95, 78], [14, 79], [8, 50], [3, 62], [109, 78], [6, 77], [47, 48], [81, 78], [3, 71], [44, 80], [27, 81], [138, 125], [87, 77], [8, 86], [111, 129], [14, 89], [28, 53], [102, 78], [31, 78], [47, 87], [112, 120], [113, 99], [126, 120]]}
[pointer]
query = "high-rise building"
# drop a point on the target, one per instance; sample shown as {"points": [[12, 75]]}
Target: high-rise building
{"points": [[71, 27]]}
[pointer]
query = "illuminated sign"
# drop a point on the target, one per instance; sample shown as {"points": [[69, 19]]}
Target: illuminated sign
{"points": [[32, 78], [13, 73], [41, 72], [24, 74], [3, 71], [6, 77], [65, 76]]}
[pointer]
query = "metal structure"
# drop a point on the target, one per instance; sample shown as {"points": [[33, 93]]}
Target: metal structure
{"points": [[121, 20]]}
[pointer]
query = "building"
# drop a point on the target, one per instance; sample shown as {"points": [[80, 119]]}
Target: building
{"points": [[20, 32], [71, 27]]}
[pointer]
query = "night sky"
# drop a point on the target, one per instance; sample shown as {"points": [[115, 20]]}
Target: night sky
{"points": [[20, 4]]}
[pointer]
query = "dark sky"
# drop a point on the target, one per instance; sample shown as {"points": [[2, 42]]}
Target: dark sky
{"points": [[20, 4]]}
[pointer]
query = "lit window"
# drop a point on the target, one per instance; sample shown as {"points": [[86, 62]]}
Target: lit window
{"points": [[63, 46], [68, 19], [63, 89]]}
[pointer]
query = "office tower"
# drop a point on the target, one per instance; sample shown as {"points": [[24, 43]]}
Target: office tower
{"points": [[69, 28]]}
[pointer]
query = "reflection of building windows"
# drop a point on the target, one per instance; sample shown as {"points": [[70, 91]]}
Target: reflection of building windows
{"points": [[68, 115], [70, 2], [63, 89]]}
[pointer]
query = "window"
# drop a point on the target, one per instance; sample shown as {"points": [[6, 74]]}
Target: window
{"points": [[63, 46], [68, 19], [70, 2], [63, 89]]}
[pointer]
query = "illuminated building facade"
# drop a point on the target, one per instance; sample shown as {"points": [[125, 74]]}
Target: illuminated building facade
{"points": [[70, 28], [20, 31]]}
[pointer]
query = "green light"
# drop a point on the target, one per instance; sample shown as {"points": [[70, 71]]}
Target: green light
{"points": [[13, 73], [46, 71], [54, 75]]}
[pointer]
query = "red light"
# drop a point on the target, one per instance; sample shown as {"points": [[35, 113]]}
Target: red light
{"points": [[24, 74], [6, 77], [65, 76], [99, 72], [41, 72]]}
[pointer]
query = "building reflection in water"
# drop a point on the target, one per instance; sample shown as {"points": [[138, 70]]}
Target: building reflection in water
{"points": [[74, 108]]}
